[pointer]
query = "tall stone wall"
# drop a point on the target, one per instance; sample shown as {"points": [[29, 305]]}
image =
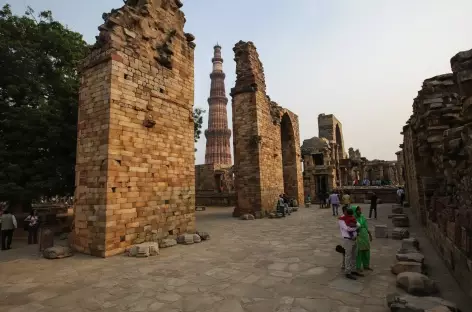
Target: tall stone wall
{"points": [[327, 125], [260, 127], [135, 150], [437, 155]]}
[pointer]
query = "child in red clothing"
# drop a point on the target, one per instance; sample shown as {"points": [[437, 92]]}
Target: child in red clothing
{"points": [[350, 221]]}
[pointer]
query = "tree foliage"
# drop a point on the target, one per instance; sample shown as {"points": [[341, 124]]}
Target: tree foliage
{"points": [[198, 122], [38, 105]]}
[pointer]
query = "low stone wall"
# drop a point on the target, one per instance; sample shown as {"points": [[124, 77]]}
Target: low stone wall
{"points": [[216, 199], [360, 194], [456, 260]]}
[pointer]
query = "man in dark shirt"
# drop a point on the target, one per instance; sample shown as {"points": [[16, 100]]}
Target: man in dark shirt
{"points": [[373, 205]]}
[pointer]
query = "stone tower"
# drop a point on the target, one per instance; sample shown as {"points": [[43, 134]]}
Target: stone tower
{"points": [[135, 175], [217, 135]]}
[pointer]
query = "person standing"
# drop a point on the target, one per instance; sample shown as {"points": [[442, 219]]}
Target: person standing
{"points": [[334, 200], [8, 227], [364, 238], [373, 205], [349, 245], [33, 225], [400, 195], [346, 200]]}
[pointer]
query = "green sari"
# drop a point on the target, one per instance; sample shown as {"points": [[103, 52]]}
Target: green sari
{"points": [[363, 242]]}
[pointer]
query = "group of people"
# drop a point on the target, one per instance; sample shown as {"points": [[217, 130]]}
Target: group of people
{"points": [[8, 225], [355, 245]]}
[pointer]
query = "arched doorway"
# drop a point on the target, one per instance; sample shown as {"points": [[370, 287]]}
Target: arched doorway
{"points": [[289, 157]]}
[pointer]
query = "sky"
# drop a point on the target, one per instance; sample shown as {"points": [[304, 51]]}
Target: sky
{"points": [[361, 60]]}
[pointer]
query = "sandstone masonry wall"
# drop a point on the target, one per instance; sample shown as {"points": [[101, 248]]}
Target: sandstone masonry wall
{"points": [[437, 154], [258, 124], [135, 151]]}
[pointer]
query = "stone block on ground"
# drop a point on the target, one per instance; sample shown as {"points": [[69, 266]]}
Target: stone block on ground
{"points": [[400, 233], [295, 208], [381, 231], [409, 245], [167, 242], [397, 210], [185, 239], [200, 208], [258, 215], [57, 252], [416, 283], [272, 215], [391, 216], [406, 266], [247, 216], [406, 204], [204, 235], [401, 221], [143, 250], [410, 257], [408, 303], [197, 238]]}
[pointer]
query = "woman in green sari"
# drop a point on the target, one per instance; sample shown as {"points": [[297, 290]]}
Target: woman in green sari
{"points": [[363, 242]]}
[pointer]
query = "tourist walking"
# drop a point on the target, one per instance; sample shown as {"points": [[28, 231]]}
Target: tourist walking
{"points": [[364, 238], [334, 200], [401, 195], [373, 205], [9, 225], [348, 237], [32, 225]]}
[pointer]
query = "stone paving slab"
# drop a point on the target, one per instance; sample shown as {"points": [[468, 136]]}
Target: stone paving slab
{"points": [[286, 264]]}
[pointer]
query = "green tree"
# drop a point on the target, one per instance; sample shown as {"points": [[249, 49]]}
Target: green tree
{"points": [[38, 105], [198, 122]]}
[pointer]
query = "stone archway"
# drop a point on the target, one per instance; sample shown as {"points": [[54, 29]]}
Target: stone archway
{"points": [[289, 157]]}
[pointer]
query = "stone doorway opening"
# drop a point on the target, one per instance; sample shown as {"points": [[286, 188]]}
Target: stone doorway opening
{"points": [[321, 183], [289, 157]]}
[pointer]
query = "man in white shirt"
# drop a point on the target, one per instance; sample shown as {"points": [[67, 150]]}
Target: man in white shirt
{"points": [[401, 195], [348, 237]]}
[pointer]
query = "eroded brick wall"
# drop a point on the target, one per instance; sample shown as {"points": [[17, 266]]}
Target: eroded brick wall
{"points": [[135, 155], [257, 139], [437, 158]]}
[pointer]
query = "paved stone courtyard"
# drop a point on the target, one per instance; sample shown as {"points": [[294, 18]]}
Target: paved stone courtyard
{"points": [[263, 265]]}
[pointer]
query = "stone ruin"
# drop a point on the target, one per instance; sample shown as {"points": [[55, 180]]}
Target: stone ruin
{"points": [[266, 139], [437, 145], [327, 166], [135, 165]]}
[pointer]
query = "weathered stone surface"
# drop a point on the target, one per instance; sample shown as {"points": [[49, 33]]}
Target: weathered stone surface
{"points": [[408, 303], [381, 231], [247, 216], [412, 257], [185, 239], [397, 210], [196, 238], [401, 221], [143, 250], [409, 245], [167, 242], [400, 233], [57, 252], [204, 235], [266, 140], [407, 266], [416, 283], [135, 147]]}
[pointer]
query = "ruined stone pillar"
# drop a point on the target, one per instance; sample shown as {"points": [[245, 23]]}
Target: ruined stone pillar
{"points": [[260, 129], [135, 176]]}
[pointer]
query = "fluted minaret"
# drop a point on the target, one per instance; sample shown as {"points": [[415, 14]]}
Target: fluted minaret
{"points": [[217, 135]]}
